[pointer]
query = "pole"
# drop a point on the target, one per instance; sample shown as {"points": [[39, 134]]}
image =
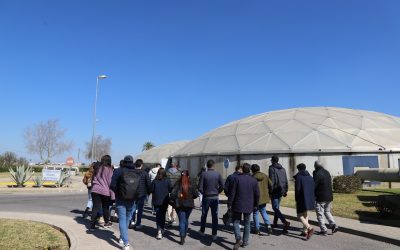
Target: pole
{"points": [[94, 120]]}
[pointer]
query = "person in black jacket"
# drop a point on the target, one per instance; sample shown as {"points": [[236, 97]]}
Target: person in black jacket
{"points": [[243, 198], [210, 186], [304, 195], [160, 188], [184, 193], [324, 198], [278, 187], [143, 191], [230, 178]]}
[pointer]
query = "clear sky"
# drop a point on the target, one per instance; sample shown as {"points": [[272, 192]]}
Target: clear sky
{"points": [[180, 68]]}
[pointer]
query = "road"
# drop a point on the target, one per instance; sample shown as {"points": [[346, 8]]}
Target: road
{"points": [[72, 204]]}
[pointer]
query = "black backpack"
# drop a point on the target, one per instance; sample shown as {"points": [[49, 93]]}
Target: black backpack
{"points": [[128, 185]]}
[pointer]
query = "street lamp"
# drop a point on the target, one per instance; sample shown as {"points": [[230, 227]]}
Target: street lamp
{"points": [[94, 115]]}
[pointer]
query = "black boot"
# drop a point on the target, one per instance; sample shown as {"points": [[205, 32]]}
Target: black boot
{"points": [[182, 240], [86, 213]]}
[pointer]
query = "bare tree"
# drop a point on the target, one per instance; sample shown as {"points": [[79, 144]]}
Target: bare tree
{"points": [[147, 145], [102, 146], [47, 140]]}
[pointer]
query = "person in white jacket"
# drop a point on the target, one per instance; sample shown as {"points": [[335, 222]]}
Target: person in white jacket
{"points": [[152, 174]]}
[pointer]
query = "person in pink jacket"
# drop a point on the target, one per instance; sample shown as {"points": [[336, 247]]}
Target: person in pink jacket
{"points": [[101, 192]]}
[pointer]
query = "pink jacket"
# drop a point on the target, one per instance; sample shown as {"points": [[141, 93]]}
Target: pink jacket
{"points": [[102, 181]]}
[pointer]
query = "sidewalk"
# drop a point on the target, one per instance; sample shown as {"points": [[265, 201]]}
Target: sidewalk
{"points": [[78, 237]]}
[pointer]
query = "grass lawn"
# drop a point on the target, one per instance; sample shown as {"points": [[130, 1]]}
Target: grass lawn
{"points": [[359, 206], [18, 234]]}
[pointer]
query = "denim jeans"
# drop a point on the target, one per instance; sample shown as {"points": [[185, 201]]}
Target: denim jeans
{"points": [[323, 209], [263, 210], [138, 208], [125, 211], [183, 215], [206, 205], [276, 201], [236, 227], [160, 215]]}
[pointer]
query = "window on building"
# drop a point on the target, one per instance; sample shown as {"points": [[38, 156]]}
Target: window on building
{"points": [[350, 162]]}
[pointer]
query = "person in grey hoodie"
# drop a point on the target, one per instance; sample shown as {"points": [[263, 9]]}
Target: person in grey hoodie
{"points": [[173, 175], [278, 187], [101, 192]]}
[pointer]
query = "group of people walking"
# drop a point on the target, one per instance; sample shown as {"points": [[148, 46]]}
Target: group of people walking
{"points": [[173, 195]]}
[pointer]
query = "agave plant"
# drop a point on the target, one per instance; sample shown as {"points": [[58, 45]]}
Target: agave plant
{"points": [[21, 175], [63, 177], [38, 181]]}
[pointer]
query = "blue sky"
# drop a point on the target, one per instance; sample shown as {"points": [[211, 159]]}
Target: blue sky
{"points": [[180, 68]]}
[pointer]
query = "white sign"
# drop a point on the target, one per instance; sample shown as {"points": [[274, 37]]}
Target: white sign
{"points": [[51, 175]]}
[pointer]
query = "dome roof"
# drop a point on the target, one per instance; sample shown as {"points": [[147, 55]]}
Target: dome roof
{"points": [[301, 130], [154, 155]]}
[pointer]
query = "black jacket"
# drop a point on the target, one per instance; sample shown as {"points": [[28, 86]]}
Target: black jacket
{"points": [[179, 201], [144, 184], [244, 194], [160, 190], [323, 185], [279, 183], [229, 182], [304, 191]]}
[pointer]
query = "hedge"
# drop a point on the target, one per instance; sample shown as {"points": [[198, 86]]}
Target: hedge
{"points": [[347, 184]]}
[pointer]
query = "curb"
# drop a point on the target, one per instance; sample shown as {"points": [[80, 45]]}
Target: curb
{"points": [[350, 231]]}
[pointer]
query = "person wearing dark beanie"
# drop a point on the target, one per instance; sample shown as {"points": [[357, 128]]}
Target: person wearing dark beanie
{"points": [[305, 199]]}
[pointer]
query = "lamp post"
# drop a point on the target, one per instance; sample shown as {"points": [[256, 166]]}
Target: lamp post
{"points": [[94, 115]]}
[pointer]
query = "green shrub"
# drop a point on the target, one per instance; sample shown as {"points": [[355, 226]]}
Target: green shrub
{"points": [[38, 181], [63, 177], [346, 184], [21, 175]]}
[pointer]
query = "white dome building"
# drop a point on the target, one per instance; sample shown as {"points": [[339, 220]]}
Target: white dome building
{"points": [[341, 138], [160, 154]]}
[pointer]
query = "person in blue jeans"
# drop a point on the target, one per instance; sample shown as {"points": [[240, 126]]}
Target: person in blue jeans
{"points": [[243, 198], [262, 181], [210, 186], [184, 193], [124, 205], [143, 190], [278, 188]]}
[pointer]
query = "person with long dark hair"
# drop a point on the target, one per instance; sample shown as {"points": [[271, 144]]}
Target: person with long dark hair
{"points": [[160, 189], [101, 192], [184, 193]]}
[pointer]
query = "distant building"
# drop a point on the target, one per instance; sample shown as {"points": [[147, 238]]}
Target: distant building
{"points": [[341, 138]]}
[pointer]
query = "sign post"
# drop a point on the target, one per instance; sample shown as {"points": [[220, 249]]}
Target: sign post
{"points": [[70, 162], [227, 163]]}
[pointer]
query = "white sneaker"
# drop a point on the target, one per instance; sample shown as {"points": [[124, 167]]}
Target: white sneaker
{"points": [[121, 242], [159, 235], [126, 247], [174, 222], [214, 237]]}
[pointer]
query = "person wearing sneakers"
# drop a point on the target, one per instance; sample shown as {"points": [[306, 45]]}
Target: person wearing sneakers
{"points": [[324, 197], [183, 194], [125, 182], [101, 192], [143, 191], [243, 198], [210, 186], [278, 188], [173, 175], [263, 181], [160, 189], [152, 174], [304, 196]]}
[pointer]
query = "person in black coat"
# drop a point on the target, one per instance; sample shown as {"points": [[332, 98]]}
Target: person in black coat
{"points": [[305, 199], [243, 198], [160, 188], [324, 198]]}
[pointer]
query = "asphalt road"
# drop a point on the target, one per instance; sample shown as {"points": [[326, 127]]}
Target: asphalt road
{"points": [[72, 204]]}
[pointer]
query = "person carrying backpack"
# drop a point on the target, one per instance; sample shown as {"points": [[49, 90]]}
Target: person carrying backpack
{"points": [[125, 183], [173, 175]]}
